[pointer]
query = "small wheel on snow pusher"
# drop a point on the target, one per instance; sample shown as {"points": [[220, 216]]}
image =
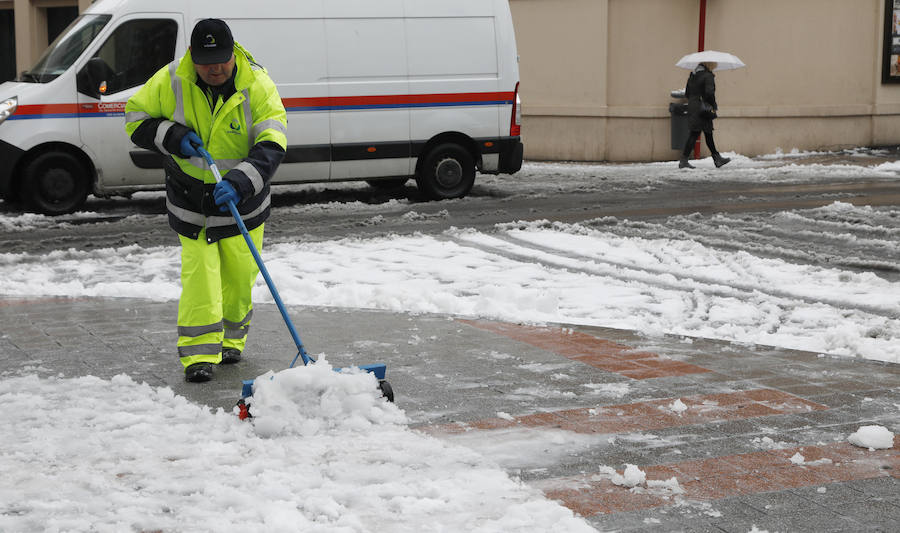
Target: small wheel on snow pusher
{"points": [[386, 390], [243, 410]]}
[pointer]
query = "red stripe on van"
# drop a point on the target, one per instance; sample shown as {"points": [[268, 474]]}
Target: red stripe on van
{"points": [[70, 110], [327, 102], [47, 109], [398, 99]]}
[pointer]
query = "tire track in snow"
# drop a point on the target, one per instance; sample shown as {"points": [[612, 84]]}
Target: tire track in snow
{"points": [[521, 250], [771, 240]]}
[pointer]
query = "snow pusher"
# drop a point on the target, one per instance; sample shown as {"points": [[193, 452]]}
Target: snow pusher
{"points": [[377, 369]]}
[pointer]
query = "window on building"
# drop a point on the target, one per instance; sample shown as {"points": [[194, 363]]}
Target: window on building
{"points": [[58, 18], [7, 45], [66, 48]]}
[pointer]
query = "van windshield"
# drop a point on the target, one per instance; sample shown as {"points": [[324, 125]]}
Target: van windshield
{"points": [[66, 48]]}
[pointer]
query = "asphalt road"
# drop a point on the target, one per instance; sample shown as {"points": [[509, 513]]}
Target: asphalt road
{"points": [[323, 212]]}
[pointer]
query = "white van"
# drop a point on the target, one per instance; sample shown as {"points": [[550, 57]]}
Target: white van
{"points": [[375, 90]]}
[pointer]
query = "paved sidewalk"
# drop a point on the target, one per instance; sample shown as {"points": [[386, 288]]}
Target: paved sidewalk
{"points": [[754, 436]]}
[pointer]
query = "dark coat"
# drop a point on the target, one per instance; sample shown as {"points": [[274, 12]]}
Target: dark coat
{"points": [[700, 84]]}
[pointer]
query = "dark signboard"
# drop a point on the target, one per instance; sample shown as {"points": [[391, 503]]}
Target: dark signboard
{"points": [[890, 71]]}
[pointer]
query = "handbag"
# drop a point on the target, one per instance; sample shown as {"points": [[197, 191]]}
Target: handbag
{"points": [[706, 110]]}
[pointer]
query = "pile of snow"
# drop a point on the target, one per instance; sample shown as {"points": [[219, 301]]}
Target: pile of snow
{"points": [[636, 479], [799, 460], [678, 407], [631, 477], [873, 438], [88, 454], [314, 399]]}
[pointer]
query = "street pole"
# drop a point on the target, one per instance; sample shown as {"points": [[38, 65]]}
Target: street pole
{"points": [[700, 46]]}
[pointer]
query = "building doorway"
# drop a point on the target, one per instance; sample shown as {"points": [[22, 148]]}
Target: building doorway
{"points": [[58, 18], [7, 45]]}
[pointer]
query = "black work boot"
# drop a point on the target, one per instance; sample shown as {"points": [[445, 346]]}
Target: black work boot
{"points": [[198, 372], [720, 161], [683, 163], [230, 356]]}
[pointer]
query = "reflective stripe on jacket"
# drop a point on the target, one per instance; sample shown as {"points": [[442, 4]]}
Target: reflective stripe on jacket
{"points": [[246, 135]]}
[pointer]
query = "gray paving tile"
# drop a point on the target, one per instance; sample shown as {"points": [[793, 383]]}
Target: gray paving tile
{"points": [[781, 382], [831, 494], [733, 509], [748, 427], [871, 512], [471, 374], [826, 523], [635, 521], [885, 487]]}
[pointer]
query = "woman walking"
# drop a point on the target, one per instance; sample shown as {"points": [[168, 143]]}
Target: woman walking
{"points": [[701, 94]]}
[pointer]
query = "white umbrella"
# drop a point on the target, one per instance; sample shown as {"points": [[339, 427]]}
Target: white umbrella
{"points": [[723, 60]]}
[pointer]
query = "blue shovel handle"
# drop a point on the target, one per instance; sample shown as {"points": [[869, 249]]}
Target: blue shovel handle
{"points": [[301, 352]]}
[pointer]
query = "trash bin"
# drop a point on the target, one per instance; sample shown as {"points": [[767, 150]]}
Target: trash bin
{"points": [[680, 127]]}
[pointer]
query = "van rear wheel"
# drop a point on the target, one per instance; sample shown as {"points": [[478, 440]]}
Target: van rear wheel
{"points": [[447, 172], [55, 183]]}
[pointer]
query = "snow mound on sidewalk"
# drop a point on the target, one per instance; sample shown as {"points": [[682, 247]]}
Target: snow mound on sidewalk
{"points": [[314, 399], [872, 437], [89, 454]]}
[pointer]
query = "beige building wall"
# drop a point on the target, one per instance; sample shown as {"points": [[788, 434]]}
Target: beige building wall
{"points": [[596, 75], [31, 26]]}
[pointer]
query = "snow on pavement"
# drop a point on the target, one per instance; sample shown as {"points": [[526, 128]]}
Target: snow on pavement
{"points": [[533, 272], [87, 454], [111, 455]]}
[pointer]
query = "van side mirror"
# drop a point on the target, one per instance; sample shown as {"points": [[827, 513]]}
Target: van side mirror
{"points": [[92, 79]]}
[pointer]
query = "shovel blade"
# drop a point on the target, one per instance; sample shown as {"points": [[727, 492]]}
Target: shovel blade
{"points": [[379, 369]]}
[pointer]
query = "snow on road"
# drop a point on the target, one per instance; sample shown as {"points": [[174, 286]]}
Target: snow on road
{"points": [[110, 455], [539, 272]]}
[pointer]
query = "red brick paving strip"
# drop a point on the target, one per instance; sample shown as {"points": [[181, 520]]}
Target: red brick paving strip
{"points": [[599, 353], [650, 415], [707, 479], [724, 477]]}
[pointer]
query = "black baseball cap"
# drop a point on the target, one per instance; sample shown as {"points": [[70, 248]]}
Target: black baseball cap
{"points": [[211, 42]]}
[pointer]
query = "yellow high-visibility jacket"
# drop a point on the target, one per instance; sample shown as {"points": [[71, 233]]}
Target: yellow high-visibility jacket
{"points": [[245, 131]]}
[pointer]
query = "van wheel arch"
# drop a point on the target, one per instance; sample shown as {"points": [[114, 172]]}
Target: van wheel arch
{"points": [[446, 166], [56, 179]]}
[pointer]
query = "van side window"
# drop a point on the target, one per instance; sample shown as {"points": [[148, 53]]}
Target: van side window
{"points": [[133, 53]]}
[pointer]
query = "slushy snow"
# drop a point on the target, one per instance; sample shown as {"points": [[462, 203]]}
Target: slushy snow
{"points": [[324, 453], [631, 477], [529, 272], [87, 454], [635, 479]]}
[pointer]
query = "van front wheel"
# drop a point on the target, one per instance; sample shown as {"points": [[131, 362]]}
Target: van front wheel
{"points": [[55, 183], [447, 172]]}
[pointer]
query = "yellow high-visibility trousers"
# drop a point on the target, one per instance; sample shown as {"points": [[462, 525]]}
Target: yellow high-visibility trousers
{"points": [[215, 307]]}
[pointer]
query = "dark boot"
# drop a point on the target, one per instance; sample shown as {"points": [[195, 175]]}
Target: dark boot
{"points": [[230, 356], [720, 161], [683, 163], [198, 372]]}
